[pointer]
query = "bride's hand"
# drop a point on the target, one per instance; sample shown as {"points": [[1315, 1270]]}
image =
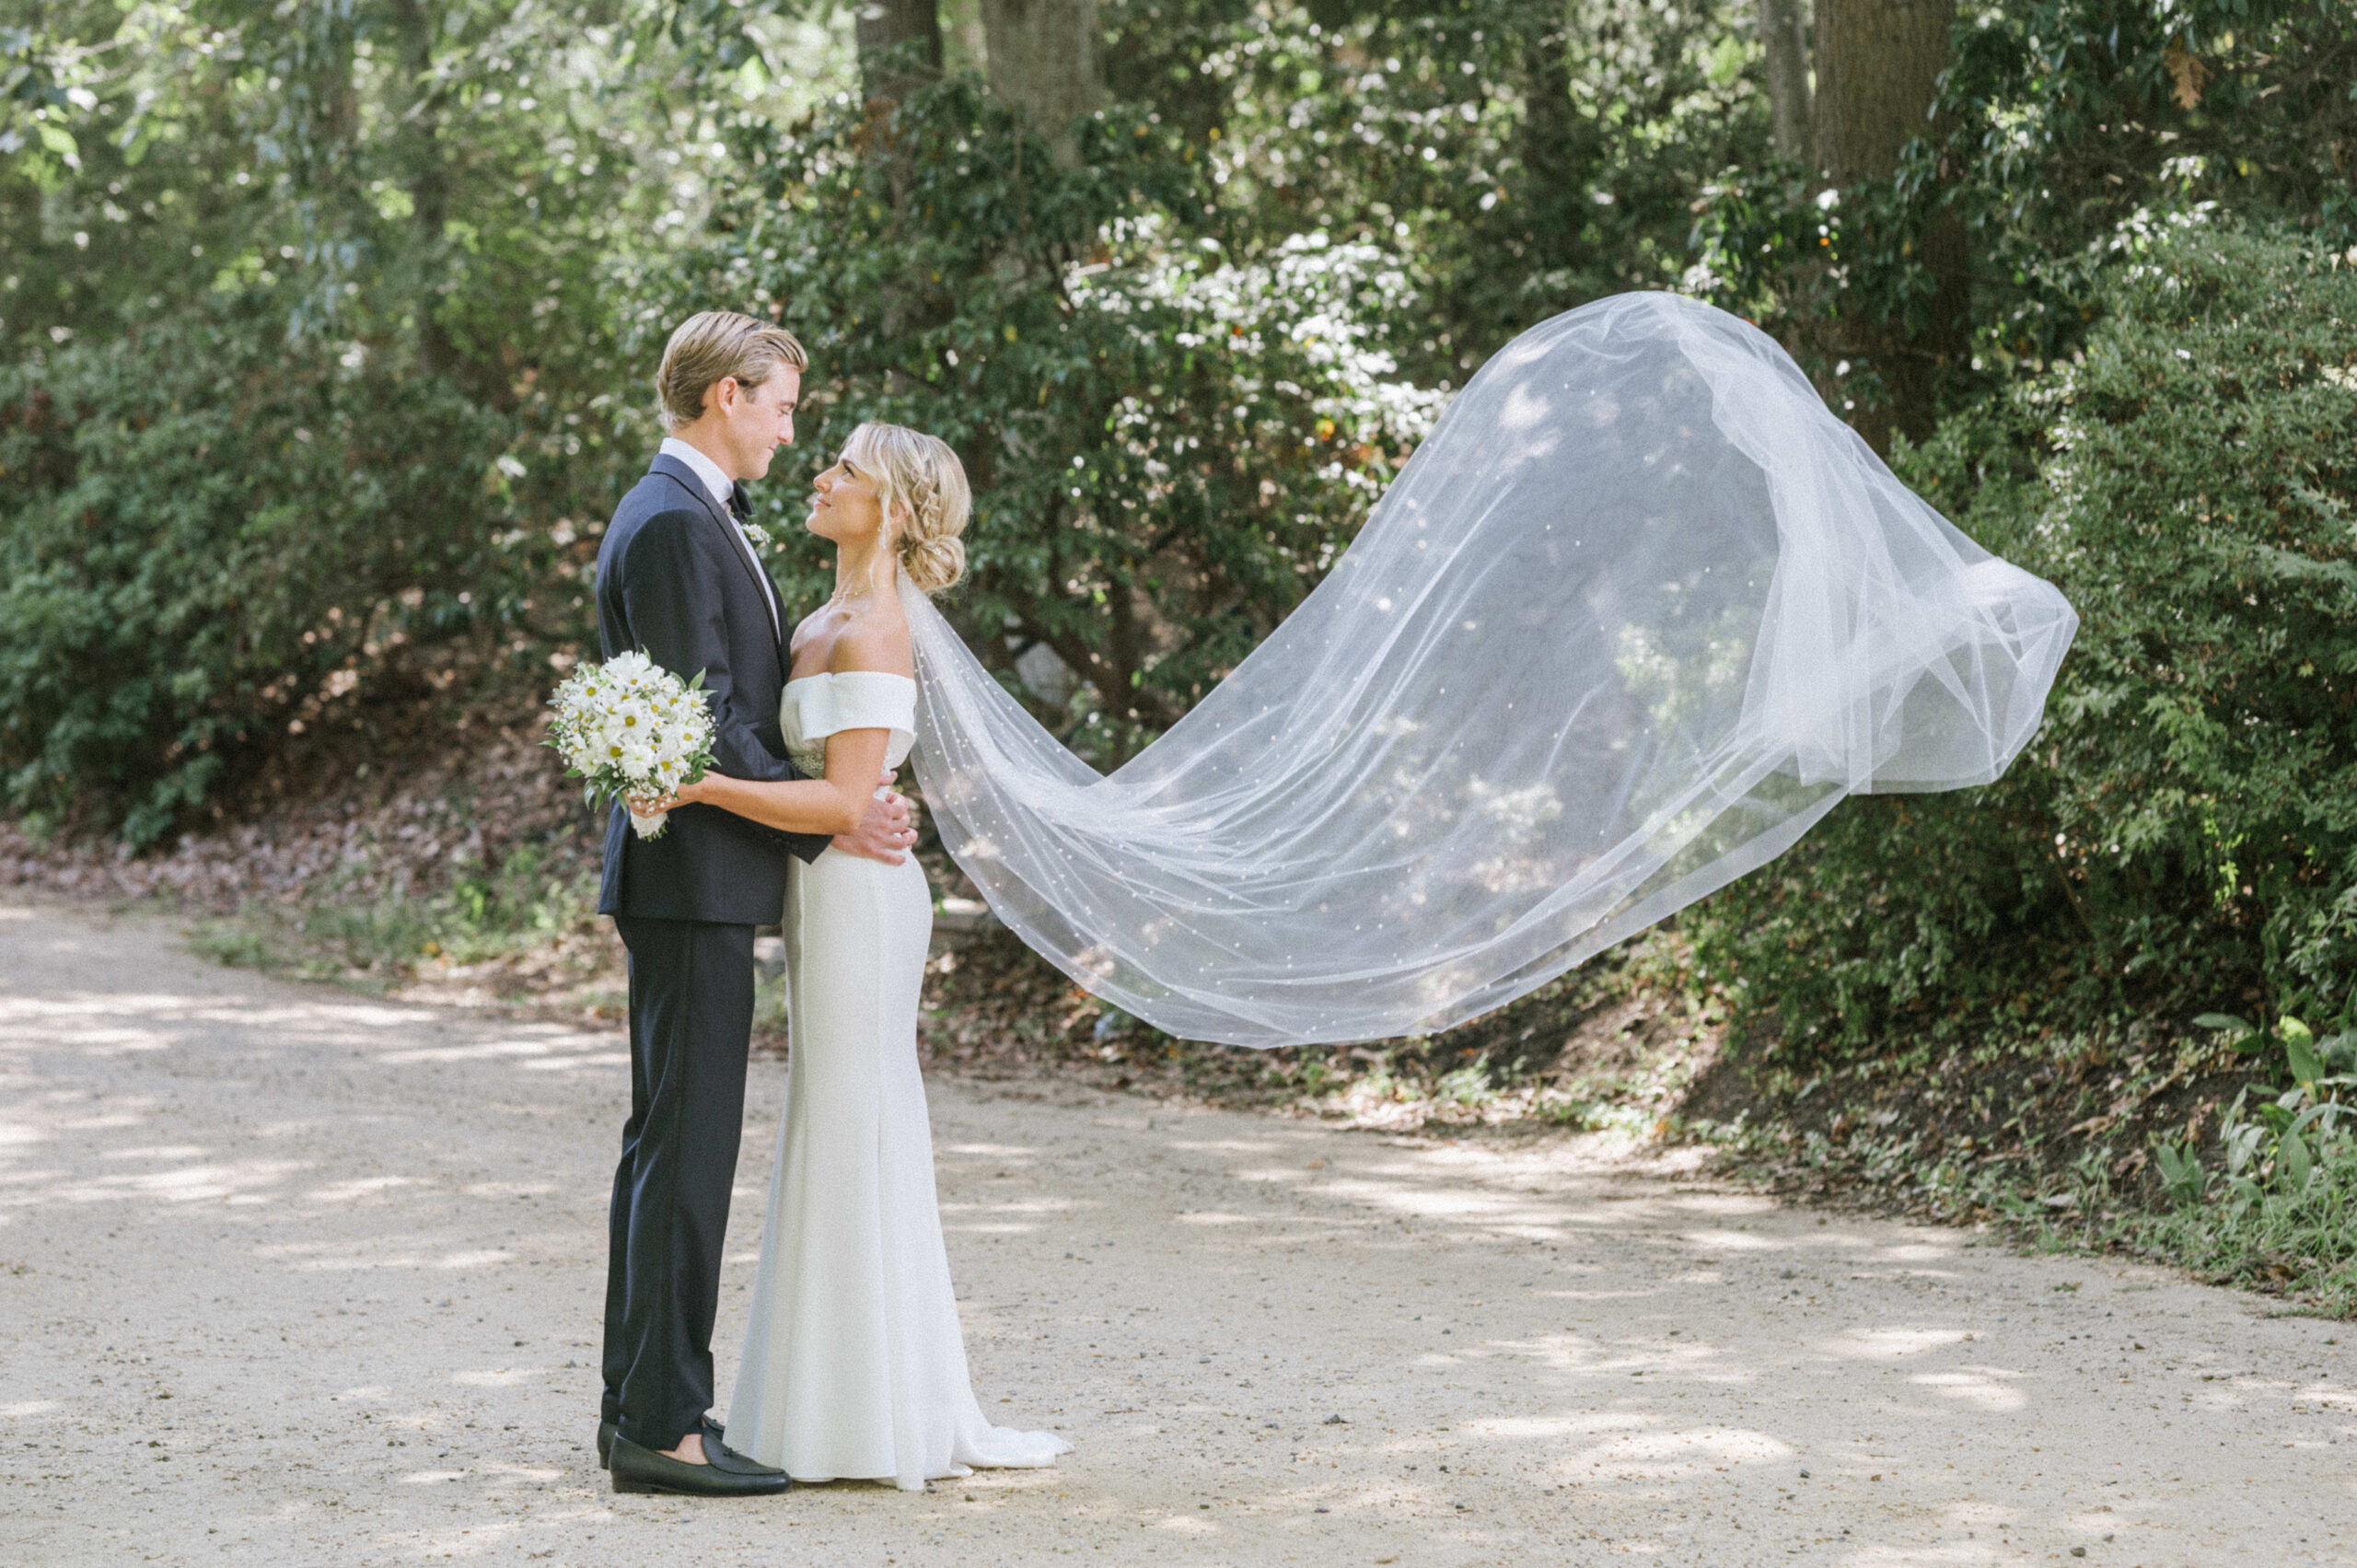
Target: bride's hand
{"points": [[656, 805]]}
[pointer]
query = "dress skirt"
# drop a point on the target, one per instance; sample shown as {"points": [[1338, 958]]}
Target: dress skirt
{"points": [[855, 1362]]}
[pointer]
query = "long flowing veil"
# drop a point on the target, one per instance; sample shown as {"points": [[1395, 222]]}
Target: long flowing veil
{"points": [[1638, 612]]}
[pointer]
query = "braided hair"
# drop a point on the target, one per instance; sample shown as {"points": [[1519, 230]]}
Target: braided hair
{"points": [[922, 477]]}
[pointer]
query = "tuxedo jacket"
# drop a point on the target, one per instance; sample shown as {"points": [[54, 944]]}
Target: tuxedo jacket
{"points": [[675, 584]]}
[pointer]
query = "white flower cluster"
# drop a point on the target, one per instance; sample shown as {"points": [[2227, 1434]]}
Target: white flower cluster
{"points": [[631, 727], [1305, 322]]}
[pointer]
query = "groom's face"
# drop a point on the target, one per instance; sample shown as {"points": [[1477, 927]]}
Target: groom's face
{"points": [[759, 420]]}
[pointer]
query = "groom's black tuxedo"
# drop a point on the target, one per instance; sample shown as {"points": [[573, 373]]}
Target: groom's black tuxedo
{"points": [[674, 583]]}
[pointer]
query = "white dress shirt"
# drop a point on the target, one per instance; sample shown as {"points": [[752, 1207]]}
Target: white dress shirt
{"points": [[722, 487]]}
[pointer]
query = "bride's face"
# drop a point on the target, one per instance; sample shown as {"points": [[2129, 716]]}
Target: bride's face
{"points": [[844, 507]]}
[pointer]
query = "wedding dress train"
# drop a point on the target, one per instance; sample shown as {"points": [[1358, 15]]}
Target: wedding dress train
{"points": [[855, 1362]]}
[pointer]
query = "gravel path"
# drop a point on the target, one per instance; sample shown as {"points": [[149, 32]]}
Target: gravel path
{"points": [[295, 1276]]}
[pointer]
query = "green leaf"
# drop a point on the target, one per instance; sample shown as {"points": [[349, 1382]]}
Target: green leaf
{"points": [[2181, 1172], [2324, 1111], [2295, 1161], [2305, 1066], [2223, 1021]]}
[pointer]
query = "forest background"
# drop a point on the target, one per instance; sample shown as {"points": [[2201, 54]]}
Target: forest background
{"points": [[328, 329]]}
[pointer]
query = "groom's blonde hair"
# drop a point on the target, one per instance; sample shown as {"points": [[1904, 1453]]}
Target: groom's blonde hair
{"points": [[716, 345], [919, 481]]}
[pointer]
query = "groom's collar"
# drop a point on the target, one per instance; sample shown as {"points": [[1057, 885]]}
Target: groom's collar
{"points": [[716, 484]]}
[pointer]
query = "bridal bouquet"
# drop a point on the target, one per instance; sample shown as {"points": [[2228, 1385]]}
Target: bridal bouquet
{"points": [[632, 728]]}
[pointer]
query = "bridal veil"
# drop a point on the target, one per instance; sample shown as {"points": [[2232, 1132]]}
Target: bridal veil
{"points": [[1638, 612]]}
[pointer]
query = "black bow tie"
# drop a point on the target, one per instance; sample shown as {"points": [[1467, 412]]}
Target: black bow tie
{"points": [[740, 505]]}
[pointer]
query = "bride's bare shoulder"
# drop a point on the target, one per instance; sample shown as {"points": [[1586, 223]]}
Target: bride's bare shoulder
{"points": [[877, 641]]}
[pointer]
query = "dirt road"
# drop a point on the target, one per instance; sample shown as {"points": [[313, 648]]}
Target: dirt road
{"points": [[293, 1277]]}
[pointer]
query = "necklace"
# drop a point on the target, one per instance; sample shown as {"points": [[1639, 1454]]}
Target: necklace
{"points": [[851, 593]]}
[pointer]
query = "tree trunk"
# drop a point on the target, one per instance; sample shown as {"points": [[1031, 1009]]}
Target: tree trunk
{"points": [[1784, 34], [418, 143], [1879, 64], [900, 47], [1553, 200], [900, 53], [1046, 59]]}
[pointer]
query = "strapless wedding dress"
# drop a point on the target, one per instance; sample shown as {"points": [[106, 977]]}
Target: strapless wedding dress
{"points": [[855, 1362]]}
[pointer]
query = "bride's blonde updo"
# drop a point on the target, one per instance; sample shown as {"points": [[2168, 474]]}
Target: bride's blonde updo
{"points": [[919, 479]]}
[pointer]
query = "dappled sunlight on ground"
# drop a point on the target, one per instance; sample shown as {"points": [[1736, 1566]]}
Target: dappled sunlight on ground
{"points": [[1989, 1389], [304, 1277], [1883, 1343]]}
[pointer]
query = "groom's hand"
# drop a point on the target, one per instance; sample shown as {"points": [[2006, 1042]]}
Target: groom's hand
{"points": [[885, 836]]}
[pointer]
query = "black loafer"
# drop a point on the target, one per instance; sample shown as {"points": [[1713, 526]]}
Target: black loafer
{"points": [[719, 1454], [712, 1432], [728, 1473]]}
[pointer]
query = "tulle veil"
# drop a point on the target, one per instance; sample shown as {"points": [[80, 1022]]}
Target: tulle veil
{"points": [[1638, 613]]}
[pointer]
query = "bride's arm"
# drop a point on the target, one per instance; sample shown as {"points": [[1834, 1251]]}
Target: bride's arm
{"points": [[845, 799], [836, 804]]}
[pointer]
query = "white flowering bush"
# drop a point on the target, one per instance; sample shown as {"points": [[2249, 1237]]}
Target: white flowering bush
{"points": [[632, 730], [1303, 336]]}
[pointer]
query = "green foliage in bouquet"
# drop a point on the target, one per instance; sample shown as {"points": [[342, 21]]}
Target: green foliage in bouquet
{"points": [[2183, 833]]}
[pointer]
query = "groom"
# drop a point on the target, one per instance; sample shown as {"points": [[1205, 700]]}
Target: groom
{"points": [[679, 580]]}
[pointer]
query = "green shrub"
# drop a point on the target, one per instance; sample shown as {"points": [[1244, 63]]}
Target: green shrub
{"points": [[2183, 833], [207, 530]]}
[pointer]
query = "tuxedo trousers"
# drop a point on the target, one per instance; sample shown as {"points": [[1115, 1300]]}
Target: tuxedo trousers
{"points": [[691, 1029]]}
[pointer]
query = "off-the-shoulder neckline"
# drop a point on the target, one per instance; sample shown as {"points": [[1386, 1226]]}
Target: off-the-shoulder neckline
{"points": [[837, 674]]}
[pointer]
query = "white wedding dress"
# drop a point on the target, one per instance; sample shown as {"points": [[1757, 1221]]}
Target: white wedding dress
{"points": [[855, 1362]]}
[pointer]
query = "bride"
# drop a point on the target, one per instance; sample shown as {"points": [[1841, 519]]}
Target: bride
{"points": [[855, 1364]]}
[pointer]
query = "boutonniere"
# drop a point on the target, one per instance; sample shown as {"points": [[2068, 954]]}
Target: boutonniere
{"points": [[754, 536]]}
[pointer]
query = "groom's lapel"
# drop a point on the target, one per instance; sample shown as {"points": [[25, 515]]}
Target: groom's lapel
{"points": [[680, 474], [785, 656]]}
